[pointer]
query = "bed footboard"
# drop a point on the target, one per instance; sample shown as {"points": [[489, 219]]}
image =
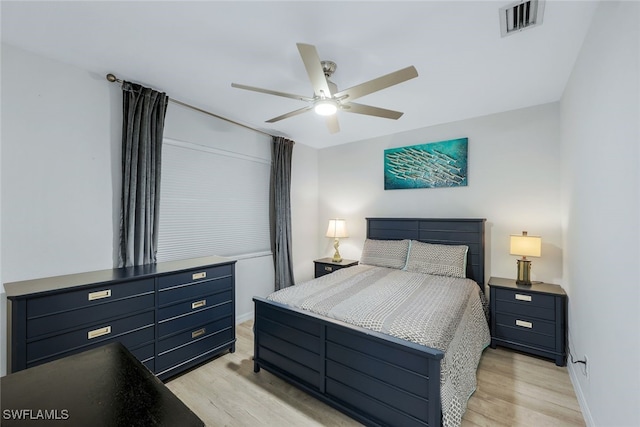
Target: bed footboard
{"points": [[374, 378]]}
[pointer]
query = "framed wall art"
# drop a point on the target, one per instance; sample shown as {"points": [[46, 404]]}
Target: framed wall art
{"points": [[433, 165]]}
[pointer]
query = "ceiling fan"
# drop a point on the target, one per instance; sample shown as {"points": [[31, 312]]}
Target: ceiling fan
{"points": [[327, 99]]}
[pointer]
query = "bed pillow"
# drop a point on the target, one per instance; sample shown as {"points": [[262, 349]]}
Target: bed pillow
{"points": [[385, 253], [441, 260]]}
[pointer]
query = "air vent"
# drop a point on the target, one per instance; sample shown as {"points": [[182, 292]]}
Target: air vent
{"points": [[520, 16]]}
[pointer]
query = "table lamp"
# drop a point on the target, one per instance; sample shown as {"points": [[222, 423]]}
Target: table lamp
{"points": [[337, 229], [525, 245]]}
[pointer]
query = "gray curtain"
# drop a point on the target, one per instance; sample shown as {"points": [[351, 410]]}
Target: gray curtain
{"points": [[143, 116], [280, 210]]}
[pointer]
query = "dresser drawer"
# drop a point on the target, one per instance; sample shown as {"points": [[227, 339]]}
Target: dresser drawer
{"points": [[194, 305], [197, 332], [525, 304], [195, 290], [76, 318], [201, 317], [192, 276], [131, 331], [194, 349], [87, 297]]}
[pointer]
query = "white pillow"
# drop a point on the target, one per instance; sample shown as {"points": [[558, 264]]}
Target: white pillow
{"points": [[385, 253], [441, 260]]}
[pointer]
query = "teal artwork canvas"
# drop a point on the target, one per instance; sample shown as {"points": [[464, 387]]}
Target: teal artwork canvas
{"points": [[437, 164]]}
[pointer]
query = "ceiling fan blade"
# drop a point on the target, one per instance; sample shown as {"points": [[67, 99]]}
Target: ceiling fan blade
{"points": [[352, 107], [313, 65], [272, 92], [290, 114], [332, 123], [378, 84]]}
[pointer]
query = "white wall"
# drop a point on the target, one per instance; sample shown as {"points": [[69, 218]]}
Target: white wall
{"points": [[304, 211], [513, 182], [58, 131], [600, 137]]}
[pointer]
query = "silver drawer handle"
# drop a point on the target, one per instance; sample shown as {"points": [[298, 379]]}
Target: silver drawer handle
{"points": [[199, 332], [99, 332], [328, 269], [197, 276], [99, 294], [524, 324], [198, 304], [521, 297]]}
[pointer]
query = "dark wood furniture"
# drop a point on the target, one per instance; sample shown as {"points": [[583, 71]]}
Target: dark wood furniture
{"points": [[171, 316], [375, 378], [532, 319], [104, 386], [328, 265]]}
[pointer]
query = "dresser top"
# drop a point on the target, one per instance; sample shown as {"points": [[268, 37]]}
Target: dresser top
{"points": [[538, 287], [48, 284]]}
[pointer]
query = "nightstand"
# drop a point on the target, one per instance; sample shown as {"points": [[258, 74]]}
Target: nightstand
{"points": [[532, 319], [327, 265]]}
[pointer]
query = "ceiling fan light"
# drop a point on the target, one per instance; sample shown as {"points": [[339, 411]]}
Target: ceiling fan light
{"points": [[325, 107]]}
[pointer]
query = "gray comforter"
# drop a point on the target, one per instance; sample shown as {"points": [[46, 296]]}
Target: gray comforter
{"points": [[439, 312]]}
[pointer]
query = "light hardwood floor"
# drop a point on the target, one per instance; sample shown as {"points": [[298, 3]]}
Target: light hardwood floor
{"points": [[513, 390]]}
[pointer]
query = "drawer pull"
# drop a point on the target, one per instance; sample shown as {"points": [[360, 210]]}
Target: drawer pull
{"points": [[524, 324], [197, 276], [198, 304], [521, 297], [327, 268], [199, 332], [99, 294], [99, 332]]}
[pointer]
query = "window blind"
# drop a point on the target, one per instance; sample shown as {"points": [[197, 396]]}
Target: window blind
{"points": [[212, 202]]}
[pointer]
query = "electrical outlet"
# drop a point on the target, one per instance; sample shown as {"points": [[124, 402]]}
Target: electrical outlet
{"points": [[586, 366]]}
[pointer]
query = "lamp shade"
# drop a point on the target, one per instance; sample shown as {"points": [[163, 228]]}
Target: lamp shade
{"points": [[525, 245], [337, 228]]}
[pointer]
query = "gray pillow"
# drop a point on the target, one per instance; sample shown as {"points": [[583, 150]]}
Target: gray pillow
{"points": [[385, 253], [441, 260]]}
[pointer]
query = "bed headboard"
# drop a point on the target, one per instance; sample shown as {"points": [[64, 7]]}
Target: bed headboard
{"points": [[444, 231]]}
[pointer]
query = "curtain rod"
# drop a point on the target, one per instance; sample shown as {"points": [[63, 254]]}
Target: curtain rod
{"points": [[113, 79]]}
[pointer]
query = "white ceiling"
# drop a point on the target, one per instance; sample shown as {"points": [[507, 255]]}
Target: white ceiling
{"points": [[194, 51]]}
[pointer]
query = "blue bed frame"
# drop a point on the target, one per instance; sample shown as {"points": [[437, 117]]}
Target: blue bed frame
{"points": [[376, 379]]}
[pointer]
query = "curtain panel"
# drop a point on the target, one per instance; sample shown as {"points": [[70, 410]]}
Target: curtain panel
{"points": [[144, 111], [280, 211]]}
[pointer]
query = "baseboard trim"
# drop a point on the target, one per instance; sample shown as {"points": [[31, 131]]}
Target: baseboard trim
{"points": [[244, 317], [584, 407]]}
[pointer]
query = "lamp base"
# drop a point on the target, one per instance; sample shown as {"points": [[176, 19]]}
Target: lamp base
{"points": [[336, 255], [524, 272]]}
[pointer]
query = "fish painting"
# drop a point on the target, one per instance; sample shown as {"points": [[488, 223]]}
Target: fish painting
{"points": [[437, 164]]}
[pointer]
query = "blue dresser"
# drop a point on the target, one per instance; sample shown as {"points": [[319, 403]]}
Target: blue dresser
{"points": [[171, 316]]}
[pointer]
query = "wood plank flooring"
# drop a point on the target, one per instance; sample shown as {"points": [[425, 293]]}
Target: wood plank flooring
{"points": [[513, 390]]}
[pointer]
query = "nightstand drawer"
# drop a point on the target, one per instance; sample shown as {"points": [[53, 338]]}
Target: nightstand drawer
{"points": [[526, 324], [525, 304], [322, 269], [525, 336]]}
